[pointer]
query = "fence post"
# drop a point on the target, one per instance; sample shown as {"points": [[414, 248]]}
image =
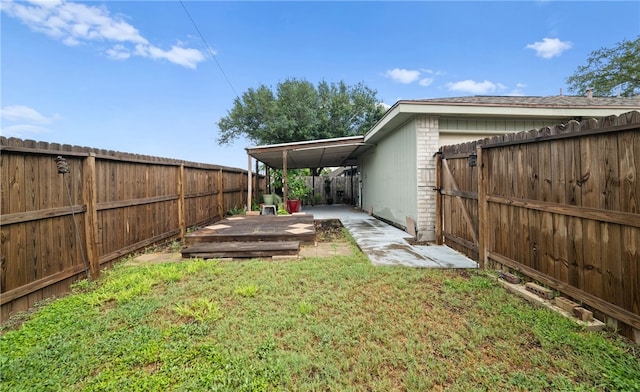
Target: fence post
{"points": [[181, 207], [438, 198], [91, 216], [483, 229], [249, 183], [285, 185], [220, 195]]}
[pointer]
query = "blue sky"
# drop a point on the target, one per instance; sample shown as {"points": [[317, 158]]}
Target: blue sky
{"points": [[137, 77]]}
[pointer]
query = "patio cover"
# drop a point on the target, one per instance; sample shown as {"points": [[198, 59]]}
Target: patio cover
{"points": [[313, 154]]}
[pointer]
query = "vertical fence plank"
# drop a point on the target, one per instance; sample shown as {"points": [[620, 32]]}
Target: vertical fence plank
{"points": [[439, 215], [220, 188], [483, 228], [629, 162], [47, 234], [181, 203], [91, 215], [532, 192], [33, 267], [612, 257], [592, 238], [575, 247], [249, 183]]}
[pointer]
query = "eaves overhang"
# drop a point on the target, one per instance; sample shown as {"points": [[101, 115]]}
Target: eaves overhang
{"points": [[403, 111]]}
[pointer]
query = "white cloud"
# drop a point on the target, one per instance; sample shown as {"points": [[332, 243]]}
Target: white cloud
{"points": [[550, 47], [21, 113], [182, 56], [75, 24], [431, 72], [473, 87], [404, 76], [426, 82], [517, 92], [118, 52], [29, 121], [408, 76], [23, 131]]}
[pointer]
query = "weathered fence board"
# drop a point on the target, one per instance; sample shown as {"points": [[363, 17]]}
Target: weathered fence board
{"points": [[120, 203], [329, 190], [560, 205]]}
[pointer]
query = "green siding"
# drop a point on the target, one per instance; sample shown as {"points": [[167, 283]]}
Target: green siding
{"points": [[491, 125], [389, 182]]}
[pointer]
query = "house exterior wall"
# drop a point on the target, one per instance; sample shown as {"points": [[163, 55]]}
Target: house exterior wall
{"points": [[399, 175], [388, 175]]}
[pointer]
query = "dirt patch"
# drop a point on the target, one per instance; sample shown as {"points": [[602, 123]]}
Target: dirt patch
{"points": [[328, 230], [166, 256], [330, 240]]}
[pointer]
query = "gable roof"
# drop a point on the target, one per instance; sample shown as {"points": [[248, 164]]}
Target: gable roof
{"points": [[560, 106]]}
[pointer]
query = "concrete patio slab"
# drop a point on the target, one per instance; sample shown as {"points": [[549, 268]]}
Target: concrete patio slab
{"points": [[387, 245]]}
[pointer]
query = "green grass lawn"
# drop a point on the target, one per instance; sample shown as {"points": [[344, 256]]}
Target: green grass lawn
{"points": [[314, 324]]}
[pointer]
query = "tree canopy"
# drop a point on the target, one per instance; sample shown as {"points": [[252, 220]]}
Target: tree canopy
{"points": [[609, 71], [299, 111]]}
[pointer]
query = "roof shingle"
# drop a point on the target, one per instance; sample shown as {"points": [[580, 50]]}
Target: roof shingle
{"points": [[550, 101]]}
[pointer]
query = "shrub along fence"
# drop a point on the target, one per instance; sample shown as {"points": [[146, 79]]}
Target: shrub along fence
{"points": [[560, 205], [57, 227]]}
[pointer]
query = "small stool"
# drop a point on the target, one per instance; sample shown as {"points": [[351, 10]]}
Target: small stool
{"points": [[269, 209]]}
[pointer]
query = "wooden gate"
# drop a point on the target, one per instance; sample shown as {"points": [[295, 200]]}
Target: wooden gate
{"points": [[457, 203]]}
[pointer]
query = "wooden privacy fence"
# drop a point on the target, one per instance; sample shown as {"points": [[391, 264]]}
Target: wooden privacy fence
{"points": [[333, 190], [120, 202], [560, 205]]}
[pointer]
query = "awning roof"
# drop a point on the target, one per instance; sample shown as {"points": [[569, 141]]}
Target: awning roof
{"points": [[336, 152]]}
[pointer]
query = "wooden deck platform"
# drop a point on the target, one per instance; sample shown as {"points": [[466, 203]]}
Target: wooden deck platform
{"points": [[213, 250], [251, 236]]}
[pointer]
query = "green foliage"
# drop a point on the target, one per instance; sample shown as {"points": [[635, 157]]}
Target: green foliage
{"points": [[282, 210], [298, 189], [200, 309], [176, 246], [237, 211], [297, 111], [609, 70], [247, 291], [304, 308], [296, 184]]}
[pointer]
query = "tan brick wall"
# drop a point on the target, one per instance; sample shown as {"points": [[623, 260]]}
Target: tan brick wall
{"points": [[427, 146]]}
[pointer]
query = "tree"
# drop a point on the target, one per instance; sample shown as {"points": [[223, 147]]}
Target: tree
{"points": [[610, 71], [298, 111]]}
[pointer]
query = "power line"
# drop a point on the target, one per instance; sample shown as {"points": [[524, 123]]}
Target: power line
{"points": [[211, 52]]}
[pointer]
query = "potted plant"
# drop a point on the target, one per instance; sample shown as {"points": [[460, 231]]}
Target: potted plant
{"points": [[298, 191]]}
